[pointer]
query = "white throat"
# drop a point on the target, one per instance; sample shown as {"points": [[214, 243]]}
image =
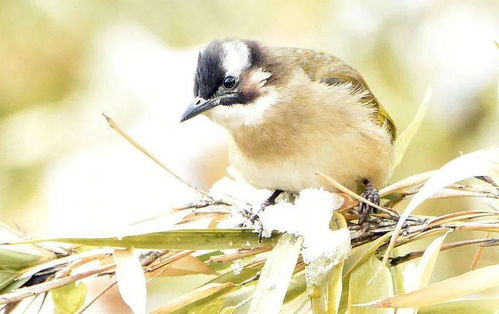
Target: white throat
{"points": [[252, 114]]}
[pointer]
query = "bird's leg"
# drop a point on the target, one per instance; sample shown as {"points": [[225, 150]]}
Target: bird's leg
{"points": [[269, 201], [255, 217], [370, 194]]}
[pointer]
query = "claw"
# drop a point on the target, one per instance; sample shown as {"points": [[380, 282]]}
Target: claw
{"points": [[255, 218], [371, 194]]}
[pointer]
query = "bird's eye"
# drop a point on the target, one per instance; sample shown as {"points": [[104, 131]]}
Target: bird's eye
{"points": [[229, 82]]}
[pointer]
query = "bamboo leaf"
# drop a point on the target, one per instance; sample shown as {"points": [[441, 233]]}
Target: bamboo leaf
{"points": [[186, 239], [276, 275], [17, 283], [368, 253], [6, 277], [297, 286], [245, 274], [480, 163], [11, 259], [428, 261], [446, 290], [228, 310], [424, 269], [362, 289], [131, 279], [205, 293], [406, 136], [335, 288], [70, 298], [344, 295], [402, 275], [187, 265]]}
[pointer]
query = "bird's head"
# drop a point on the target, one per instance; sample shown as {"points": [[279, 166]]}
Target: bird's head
{"points": [[234, 84]]}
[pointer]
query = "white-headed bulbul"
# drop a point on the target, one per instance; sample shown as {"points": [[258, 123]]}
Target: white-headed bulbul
{"points": [[292, 112]]}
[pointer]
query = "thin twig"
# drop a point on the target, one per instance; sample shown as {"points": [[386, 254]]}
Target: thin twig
{"points": [[42, 303], [30, 304], [97, 297], [479, 253], [127, 137], [394, 261], [168, 260], [345, 190], [238, 255], [180, 209], [21, 236], [468, 214], [23, 293], [95, 254]]}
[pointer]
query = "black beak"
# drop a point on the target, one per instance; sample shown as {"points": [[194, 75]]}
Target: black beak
{"points": [[198, 106]]}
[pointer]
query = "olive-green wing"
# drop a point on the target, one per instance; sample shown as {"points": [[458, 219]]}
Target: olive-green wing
{"points": [[331, 70]]}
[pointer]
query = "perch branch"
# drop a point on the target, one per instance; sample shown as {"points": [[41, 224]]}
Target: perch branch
{"points": [[394, 261]]}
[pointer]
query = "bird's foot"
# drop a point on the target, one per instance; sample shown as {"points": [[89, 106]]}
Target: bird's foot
{"points": [[371, 194], [254, 220]]}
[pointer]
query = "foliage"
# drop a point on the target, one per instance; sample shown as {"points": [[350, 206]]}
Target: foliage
{"points": [[253, 275]]}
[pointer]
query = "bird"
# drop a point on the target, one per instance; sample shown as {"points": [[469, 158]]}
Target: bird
{"points": [[292, 112]]}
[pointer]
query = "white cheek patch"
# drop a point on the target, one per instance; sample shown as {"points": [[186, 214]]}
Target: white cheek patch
{"points": [[259, 77], [252, 114], [236, 57]]}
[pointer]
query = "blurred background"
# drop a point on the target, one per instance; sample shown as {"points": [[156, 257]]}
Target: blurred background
{"points": [[63, 63]]}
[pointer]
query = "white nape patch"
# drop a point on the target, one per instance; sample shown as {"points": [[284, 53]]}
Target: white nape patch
{"points": [[235, 116], [236, 57]]}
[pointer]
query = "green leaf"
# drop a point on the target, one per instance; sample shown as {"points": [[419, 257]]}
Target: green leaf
{"points": [[344, 295], [484, 162], [11, 259], [368, 253], [14, 285], [400, 274], [70, 298], [276, 275], [245, 274], [239, 300], [446, 290], [406, 136], [428, 261], [297, 287], [362, 289], [422, 274], [335, 288], [214, 306], [187, 239], [228, 310], [208, 295], [6, 277]]}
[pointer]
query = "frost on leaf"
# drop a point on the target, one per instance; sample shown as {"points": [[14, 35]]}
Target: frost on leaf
{"points": [[309, 217]]}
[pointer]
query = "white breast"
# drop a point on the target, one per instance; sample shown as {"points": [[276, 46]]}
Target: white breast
{"points": [[345, 159]]}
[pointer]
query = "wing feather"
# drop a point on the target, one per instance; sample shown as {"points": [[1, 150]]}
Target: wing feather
{"points": [[331, 70]]}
